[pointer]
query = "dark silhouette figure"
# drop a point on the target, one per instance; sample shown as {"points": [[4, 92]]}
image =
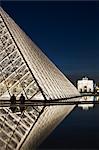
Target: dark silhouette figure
{"points": [[13, 103], [22, 103]]}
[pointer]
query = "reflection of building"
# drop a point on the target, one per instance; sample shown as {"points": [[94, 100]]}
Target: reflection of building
{"points": [[85, 85], [25, 69], [86, 106]]}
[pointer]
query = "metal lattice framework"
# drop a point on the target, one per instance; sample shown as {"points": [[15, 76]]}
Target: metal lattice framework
{"points": [[25, 69]]}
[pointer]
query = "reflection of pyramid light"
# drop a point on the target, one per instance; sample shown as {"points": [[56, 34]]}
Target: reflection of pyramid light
{"points": [[86, 106], [97, 98], [25, 69]]}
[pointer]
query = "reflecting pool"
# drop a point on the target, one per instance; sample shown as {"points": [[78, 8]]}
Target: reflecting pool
{"points": [[79, 130]]}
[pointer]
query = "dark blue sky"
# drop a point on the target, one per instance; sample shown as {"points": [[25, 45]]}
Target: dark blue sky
{"points": [[68, 32]]}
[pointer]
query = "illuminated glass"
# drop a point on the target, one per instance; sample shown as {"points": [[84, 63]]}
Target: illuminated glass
{"points": [[25, 69]]}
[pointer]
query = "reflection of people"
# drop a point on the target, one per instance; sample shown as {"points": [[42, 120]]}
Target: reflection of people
{"points": [[13, 103], [22, 102]]}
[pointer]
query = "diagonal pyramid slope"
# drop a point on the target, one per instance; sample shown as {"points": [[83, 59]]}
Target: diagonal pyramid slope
{"points": [[25, 69], [45, 72]]}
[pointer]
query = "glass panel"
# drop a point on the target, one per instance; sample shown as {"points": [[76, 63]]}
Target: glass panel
{"points": [[2, 32], [29, 120], [17, 63], [12, 143], [21, 129], [10, 49], [3, 88], [7, 129], [33, 115], [4, 37], [2, 55], [10, 121], [26, 80], [5, 63], [3, 135], [22, 71], [16, 89], [11, 80], [2, 111], [9, 70], [7, 43], [2, 144], [13, 56], [16, 136], [32, 89]]}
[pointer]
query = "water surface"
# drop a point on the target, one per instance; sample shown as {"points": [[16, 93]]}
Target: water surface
{"points": [[79, 130]]}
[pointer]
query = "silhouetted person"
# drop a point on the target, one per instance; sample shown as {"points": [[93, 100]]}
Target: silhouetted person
{"points": [[22, 103], [13, 103]]}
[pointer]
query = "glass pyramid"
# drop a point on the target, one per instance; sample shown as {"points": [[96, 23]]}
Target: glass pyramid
{"points": [[24, 68]]}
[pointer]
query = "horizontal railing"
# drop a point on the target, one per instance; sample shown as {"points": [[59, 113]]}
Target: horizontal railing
{"points": [[59, 101]]}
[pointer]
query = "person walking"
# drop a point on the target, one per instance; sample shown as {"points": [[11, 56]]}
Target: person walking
{"points": [[22, 103], [13, 103]]}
